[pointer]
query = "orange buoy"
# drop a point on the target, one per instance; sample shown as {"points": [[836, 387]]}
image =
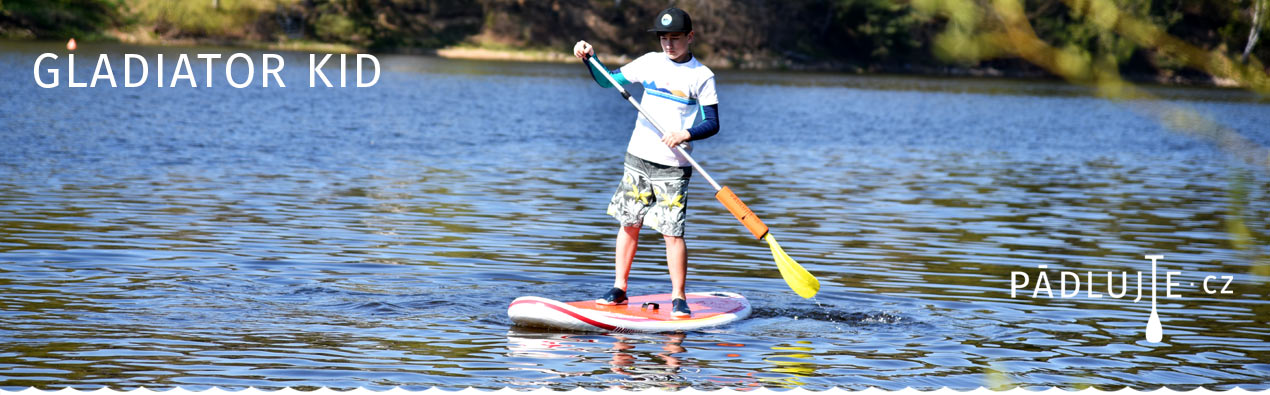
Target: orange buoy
{"points": [[70, 45]]}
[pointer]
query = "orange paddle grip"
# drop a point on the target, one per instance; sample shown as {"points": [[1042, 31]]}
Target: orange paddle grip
{"points": [[741, 212]]}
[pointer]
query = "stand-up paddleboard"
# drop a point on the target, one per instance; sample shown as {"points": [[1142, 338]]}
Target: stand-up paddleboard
{"points": [[649, 313]]}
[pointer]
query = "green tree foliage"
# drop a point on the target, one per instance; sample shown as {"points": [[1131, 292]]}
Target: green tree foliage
{"points": [[390, 24], [58, 18], [876, 35]]}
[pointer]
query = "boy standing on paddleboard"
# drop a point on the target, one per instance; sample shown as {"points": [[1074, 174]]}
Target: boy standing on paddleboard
{"points": [[678, 92]]}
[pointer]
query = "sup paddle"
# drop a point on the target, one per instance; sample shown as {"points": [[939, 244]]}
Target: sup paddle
{"points": [[802, 282]]}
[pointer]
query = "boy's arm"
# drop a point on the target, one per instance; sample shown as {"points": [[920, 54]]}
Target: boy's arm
{"points": [[709, 125]]}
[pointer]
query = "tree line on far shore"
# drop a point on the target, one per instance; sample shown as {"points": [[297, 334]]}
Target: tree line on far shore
{"points": [[846, 35]]}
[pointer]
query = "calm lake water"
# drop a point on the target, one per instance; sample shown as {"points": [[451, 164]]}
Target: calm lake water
{"points": [[374, 237]]}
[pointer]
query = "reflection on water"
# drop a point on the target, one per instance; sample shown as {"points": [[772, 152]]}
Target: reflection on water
{"points": [[634, 361], [373, 237]]}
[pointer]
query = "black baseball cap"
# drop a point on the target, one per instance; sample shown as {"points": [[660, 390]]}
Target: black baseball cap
{"points": [[672, 20]]}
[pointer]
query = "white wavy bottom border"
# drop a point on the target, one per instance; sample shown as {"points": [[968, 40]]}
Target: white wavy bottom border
{"points": [[583, 391]]}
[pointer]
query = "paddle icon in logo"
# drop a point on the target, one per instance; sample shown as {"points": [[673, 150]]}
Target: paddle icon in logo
{"points": [[1155, 331]]}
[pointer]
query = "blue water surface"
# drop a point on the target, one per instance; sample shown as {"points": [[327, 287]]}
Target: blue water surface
{"points": [[373, 237]]}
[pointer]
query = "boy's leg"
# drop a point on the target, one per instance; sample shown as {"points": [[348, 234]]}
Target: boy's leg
{"points": [[677, 261], [627, 242]]}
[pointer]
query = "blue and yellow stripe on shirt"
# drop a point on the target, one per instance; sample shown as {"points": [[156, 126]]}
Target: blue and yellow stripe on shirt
{"points": [[651, 88]]}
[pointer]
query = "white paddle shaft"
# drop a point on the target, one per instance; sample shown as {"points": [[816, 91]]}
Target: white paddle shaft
{"points": [[660, 132]]}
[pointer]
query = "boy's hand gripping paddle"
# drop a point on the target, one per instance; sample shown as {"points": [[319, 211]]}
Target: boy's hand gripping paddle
{"points": [[802, 282]]}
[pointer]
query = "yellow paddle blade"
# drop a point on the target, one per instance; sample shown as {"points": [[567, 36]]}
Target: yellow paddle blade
{"points": [[802, 282]]}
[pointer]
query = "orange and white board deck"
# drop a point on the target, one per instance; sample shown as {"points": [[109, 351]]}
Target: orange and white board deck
{"points": [[708, 309]]}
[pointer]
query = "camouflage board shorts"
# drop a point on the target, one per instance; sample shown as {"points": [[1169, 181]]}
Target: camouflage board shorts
{"points": [[652, 194]]}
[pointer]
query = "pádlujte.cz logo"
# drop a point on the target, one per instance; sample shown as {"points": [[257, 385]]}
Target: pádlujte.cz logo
{"points": [[1070, 285]]}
